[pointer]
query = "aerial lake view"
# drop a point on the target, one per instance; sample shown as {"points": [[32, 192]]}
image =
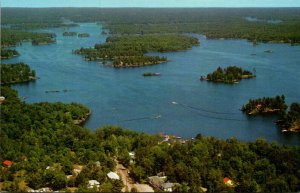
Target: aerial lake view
{"points": [[102, 96], [175, 102]]}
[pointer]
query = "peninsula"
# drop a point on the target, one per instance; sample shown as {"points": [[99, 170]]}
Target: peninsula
{"points": [[16, 73], [128, 51], [266, 105], [290, 121]]}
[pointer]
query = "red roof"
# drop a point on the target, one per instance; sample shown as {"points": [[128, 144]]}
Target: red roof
{"points": [[226, 179], [259, 105], [7, 163]]}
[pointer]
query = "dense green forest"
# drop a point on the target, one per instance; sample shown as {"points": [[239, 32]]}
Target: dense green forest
{"points": [[45, 146], [212, 22], [265, 105], [290, 121], [16, 73], [14, 37], [128, 51], [231, 74], [8, 53]]}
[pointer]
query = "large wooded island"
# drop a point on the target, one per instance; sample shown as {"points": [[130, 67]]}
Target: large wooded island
{"points": [[129, 51]]}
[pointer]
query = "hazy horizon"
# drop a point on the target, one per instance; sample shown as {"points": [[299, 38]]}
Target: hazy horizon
{"points": [[151, 4]]}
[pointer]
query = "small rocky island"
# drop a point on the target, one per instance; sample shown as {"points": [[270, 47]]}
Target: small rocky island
{"points": [[290, 121], [230, 75], [266, 105], [42, 41], [84, 35], [151, 74], [129, 51], [70, 33]]}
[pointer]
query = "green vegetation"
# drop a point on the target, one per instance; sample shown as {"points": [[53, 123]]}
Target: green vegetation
{"points": [[212, 22], [35, 136], [231, 74], [265, 105], [128, 51], [16, 73], [14, 37], [290, 121], [70, 34], [8, 53], [84, 35]]}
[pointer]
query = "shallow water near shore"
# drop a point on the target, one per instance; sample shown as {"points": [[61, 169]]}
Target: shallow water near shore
{"points": [[176, 102]]}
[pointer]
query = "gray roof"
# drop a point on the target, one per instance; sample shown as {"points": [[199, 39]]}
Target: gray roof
{"points": [[167, 185]]}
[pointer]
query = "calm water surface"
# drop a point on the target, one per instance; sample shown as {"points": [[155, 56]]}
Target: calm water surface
{"points": [[174, 103]]}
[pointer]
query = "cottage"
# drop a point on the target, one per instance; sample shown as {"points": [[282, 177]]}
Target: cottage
{"points": [[2, 99], [113, 176], [228, 181], [159, 183], [167, 187], [93, 183], [7, 163], [77, 169]]}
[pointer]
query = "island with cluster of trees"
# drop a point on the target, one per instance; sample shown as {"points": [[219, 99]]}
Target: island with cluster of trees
{"points": [[70, 33], [9, 53], [231, 74], [16, 73], [128, 51], [290, 121], [265, 105]]}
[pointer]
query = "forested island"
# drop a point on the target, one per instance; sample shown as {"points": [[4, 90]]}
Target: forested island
{"points": [[290, 121], [14, 37], [9, 53], [128, 51], [16, 73], [231, 74], [43, 148], [212, 22], [265, 105], [70, 33]]}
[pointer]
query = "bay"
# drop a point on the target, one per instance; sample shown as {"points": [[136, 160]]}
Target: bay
{"points": [[175, 102]]}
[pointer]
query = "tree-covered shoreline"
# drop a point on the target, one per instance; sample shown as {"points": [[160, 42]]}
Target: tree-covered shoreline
{"points": [[265, 105], [290, 121], [128, 51], [9, 53], [10, 38], [16, 73]]}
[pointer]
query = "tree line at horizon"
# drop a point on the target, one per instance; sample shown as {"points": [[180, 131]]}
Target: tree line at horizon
{"points": [[212, 22]]}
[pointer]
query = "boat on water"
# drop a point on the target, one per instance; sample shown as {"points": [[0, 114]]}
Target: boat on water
{"points": [[268, 51], [151, 74]]}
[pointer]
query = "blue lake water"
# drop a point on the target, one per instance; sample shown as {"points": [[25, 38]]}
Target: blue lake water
{"points": [[175, 102]]}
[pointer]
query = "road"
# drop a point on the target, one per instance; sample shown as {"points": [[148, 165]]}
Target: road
{"points": [[129, 183]]}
